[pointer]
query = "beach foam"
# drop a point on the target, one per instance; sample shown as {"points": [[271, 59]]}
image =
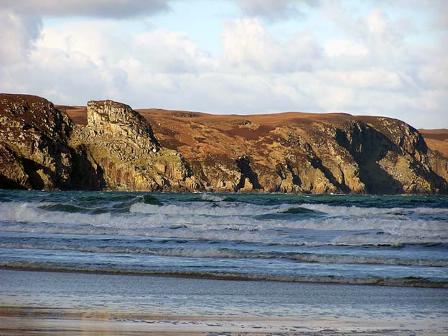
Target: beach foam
{"points": [[284, 230]]}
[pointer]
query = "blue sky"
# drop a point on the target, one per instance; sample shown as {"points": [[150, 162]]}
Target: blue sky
{"points": [[378, 57]]}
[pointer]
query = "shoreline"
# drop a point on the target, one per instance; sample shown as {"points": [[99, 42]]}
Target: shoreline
{"points": [[32, 321], [406, 282], [228, 192], [26, 324], [92, 304]]}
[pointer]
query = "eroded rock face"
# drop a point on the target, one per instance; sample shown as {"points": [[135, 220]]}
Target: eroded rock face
{"points": [[121, 143], [33, 143], [298, 152], [392, 156], [34, 149], [115, 147], [116, 122]]}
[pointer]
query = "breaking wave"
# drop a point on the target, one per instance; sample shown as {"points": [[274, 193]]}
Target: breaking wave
{"points": [[399, 237], [410, 281]]}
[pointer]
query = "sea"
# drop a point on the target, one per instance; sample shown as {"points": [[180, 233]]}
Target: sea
{"points": [[399, 240], [115, 263]]}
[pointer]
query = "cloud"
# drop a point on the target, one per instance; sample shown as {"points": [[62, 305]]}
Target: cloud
{"points": [[17, 34], [345, 48], [172, 52], [377, 79], [93, 8], [249, 46], [366, 63], [273, 9]]}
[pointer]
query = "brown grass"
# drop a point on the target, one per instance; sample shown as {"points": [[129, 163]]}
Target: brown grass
{"points": [[198, 134]]}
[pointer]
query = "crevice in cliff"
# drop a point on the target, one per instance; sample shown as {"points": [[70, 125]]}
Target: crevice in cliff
{"points": [[295, 178], [31, 169], [243, 164], [316, 162], [7, 183], [86, 173], [368, 147], [284, 170]]}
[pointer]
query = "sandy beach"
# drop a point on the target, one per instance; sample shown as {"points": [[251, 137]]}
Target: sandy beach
{"points": [[48, 303], [32, 321]]}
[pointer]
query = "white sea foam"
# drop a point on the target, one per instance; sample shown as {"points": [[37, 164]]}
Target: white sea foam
{"points": [[212, 197], [363, 211], [206, 208], [210, 234], [235, 221], [226, 253]]}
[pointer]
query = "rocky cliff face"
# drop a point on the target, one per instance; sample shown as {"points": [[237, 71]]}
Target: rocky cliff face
{"points": [[121, 143], [34, 149], [114, 147], [33, 143], [299, 152]]}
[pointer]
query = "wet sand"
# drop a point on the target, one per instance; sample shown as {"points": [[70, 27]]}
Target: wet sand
{"points": [[48, 303], [35, 321]]}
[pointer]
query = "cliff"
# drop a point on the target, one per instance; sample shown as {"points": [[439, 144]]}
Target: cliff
{"points": [[33, 143], [300, 152], [34, 148], [122, 144], [110, 145]]}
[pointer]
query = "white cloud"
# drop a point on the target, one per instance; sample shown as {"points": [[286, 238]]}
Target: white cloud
{"points": [[17, 34], [432, 69], [376, 23], [377, 79], [99, 47], [248, 45], [172, 52], [367, 66], [98, 8], [345, 48]]}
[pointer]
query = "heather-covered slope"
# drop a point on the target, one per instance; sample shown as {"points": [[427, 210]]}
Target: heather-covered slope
{"points": [[109, 145], [299, 152], [436, 139]]}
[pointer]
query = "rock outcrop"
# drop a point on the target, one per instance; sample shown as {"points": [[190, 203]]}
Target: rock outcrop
{"points": [[33, 143], [108, 145], [34, 149], [121, 143]]}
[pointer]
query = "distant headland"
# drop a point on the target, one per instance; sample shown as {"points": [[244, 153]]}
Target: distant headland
{"points": [[108, 145]]}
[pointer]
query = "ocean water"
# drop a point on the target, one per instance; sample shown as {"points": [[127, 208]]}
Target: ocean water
{"points": [[386, 240]]}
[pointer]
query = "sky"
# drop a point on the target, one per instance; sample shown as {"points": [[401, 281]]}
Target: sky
{"points": [[365, 57]]}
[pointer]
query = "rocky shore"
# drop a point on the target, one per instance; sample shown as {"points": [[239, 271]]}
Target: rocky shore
{"points": [[108, 145]]}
